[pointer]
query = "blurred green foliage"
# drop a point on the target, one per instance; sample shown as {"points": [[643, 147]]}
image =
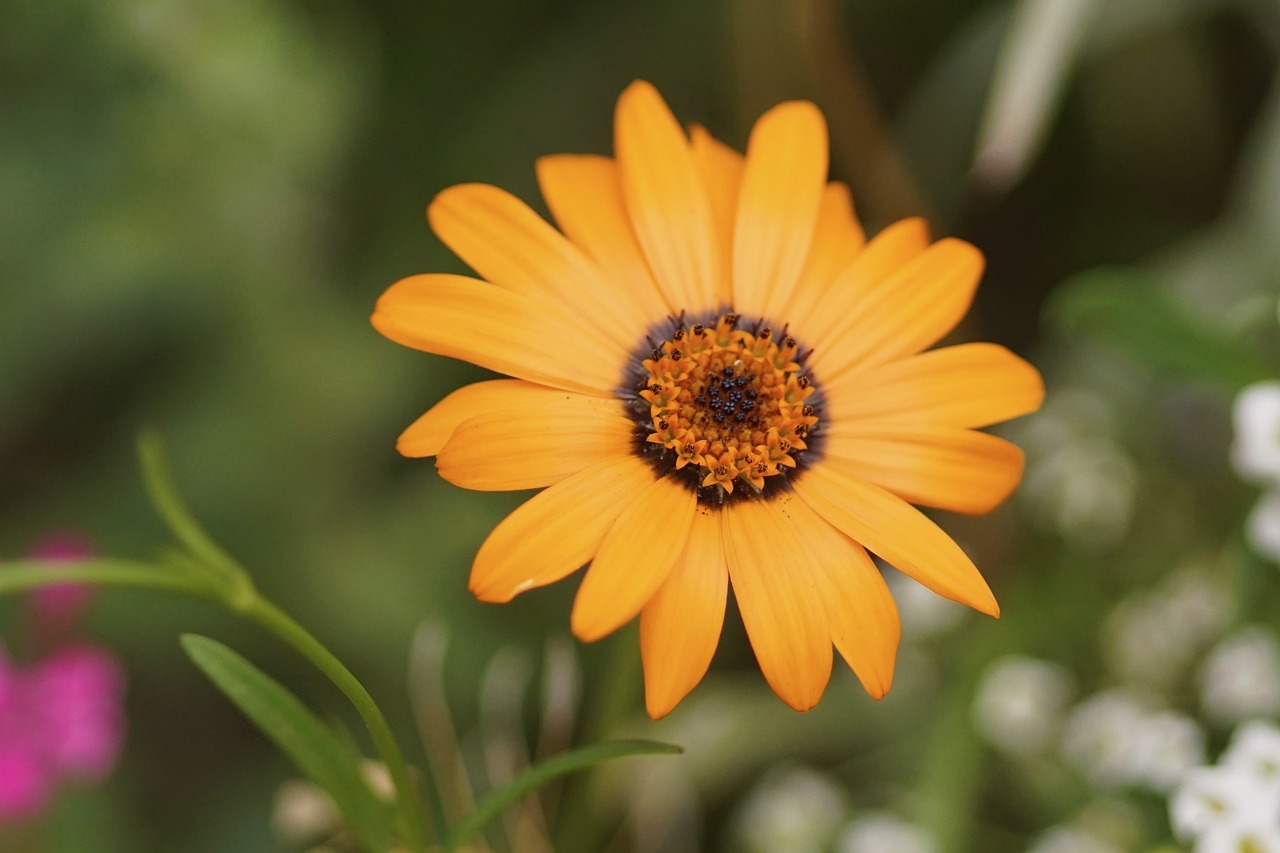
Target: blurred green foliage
{"points": [[202, 200]]}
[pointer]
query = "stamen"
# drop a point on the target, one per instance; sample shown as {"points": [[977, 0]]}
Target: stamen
{"points": [[727, 406]]}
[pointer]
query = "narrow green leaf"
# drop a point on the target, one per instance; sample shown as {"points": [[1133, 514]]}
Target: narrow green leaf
{"points": [[488, 809], [318, 752], [1124, 310], [1036, 59], [158, 478]]}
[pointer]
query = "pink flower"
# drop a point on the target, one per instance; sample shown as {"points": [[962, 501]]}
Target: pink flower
{"points": [[78, 692], [61, 717]]}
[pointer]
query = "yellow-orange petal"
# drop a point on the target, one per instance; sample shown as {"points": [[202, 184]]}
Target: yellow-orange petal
{"points": [[896, 531], [666, 201], [837, 240], [426, 435], [864, 619], [818, 312], [968, 385], [493, 327], [636, 556], [584, 194], [531, 447], [780, 600], [782, 186], [557, 531], [680, 626], [721, 170], [507, 243], [930, 464], [905, 313]]}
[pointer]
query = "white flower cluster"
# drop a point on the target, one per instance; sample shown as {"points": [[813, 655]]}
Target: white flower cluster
{"points": [[1235, 804], [1255, 454], [1079, 480], [1020, 702], [1240, 677], [801, 810], [1152, 636], [1119, 739], [1116, 739]]}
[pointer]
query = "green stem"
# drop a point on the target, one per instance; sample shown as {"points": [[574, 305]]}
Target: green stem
{"points": [[21, 575], [266, 614]]}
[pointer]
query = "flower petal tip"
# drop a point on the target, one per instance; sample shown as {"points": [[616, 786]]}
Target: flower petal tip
{"points": [[657, 710], [587, 631], [491, 593]]}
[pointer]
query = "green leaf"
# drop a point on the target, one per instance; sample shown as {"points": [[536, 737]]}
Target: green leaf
{"points": [[1036, 60], [488, 809], [1125, 310], [164, 496], [314, 748]]}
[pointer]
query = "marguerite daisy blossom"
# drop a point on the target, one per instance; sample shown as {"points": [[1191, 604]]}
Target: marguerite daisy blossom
{"points": [[716, 379]]}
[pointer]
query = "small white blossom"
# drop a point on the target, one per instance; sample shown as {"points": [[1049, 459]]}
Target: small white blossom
{"points": [[1240, 838], [880, 832], [1115, 741], [1240, 678], [1222, 800], [1165, 748], [1255, 749], [1151, 637], [302, 812], [791, 809], [1255, 453], [1097, 737], [1262, 527], [1086, 489], [1020, 703], [1071, 838], [1235, 805]]}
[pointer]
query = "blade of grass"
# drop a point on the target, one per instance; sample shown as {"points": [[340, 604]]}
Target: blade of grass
{"points": [[540, 774]]}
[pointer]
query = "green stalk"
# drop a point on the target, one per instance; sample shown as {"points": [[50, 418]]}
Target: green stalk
{"points": [[21, 575]]}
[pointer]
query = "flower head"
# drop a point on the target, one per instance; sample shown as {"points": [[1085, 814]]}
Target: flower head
{"points": [[60, 718], [715, 379], [61, 714]]}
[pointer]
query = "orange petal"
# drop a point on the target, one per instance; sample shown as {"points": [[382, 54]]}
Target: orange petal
{"points": [[428, 434], [532, 447], [557, 530], [721, 170], [680, 626], [780, 599], [666, 200], [781, 188], [504, 331], [896, 531], [837, 240], [969, 385], [864, 618], [930, 464], [905, 313], [504, 241], [584, 194], [635, 558], [819, 311]]}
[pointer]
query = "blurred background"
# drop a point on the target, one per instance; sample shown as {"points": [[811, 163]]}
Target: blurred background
{"points": [[202, 200]]}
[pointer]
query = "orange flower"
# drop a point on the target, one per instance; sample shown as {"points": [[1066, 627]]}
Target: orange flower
{"points": [[717, 379]]}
